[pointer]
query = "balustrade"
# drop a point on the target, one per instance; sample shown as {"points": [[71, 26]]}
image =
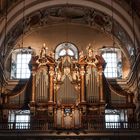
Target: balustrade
{"points": [[86, 125]]}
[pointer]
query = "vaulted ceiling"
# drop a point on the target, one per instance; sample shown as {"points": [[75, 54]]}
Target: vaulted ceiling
{"points": [[135, 4], [91, 19], [91, 13]]}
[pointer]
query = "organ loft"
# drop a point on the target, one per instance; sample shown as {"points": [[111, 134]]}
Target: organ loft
{"points": [[66, 91], [62, 89], [69, 69]]}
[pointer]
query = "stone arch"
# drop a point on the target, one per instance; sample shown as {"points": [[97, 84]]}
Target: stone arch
{"points": [[120, 15]]}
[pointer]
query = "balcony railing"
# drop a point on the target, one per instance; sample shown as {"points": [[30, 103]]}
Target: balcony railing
{"points": [[113, 125], [87, 126]]}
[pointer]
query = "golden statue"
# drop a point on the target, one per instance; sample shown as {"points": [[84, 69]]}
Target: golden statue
{"points": [[43, 52]]}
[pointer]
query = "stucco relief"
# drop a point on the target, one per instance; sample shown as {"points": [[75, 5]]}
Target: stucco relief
{"points": [[67, 14]]}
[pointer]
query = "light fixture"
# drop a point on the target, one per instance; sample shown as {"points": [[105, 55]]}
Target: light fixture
{"points": [[134, 34], [113, 32], [23, 25], [5, 29], [2, 78]]}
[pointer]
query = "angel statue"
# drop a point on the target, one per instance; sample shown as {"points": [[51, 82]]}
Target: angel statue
{"points": [[43, 52], [89, 51]]}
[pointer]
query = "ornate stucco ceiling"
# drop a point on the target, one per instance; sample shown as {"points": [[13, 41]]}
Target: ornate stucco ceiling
{"points": [[94, 14], [69, 14], [60, 12], [135, 4]]}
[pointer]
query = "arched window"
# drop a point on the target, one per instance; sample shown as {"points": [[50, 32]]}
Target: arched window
{"points": [[21, 119], [20, 63], [66, 49], [112, 57]]}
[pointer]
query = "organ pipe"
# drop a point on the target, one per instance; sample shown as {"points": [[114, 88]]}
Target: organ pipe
{"points": [[33, 88], [101, 86], [51, 87], [82, 73]]}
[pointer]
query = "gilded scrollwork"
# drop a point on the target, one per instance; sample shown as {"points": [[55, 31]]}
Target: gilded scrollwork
{"points": [[67, 75]]}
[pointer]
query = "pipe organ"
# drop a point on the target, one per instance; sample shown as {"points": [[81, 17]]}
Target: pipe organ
{"points": [[92, 85], [67, 92], [41, 85], [64, 87]]}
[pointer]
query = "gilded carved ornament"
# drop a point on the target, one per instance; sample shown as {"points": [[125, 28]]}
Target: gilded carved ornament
{"points": [[68, 66]]}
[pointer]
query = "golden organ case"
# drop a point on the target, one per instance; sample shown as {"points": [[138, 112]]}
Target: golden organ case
{"points": [[65, 87]]}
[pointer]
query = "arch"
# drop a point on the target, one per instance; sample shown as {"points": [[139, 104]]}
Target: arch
{"points": [[66, 48], [120, 15]]}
